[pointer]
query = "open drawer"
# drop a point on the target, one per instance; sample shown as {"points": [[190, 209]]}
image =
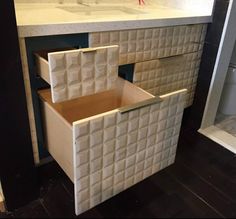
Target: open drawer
{"points": [[109, 141], [74, 73]]}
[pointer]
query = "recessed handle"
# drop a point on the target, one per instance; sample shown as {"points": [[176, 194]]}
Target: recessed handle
{"points": [[170, 58], [139, 105], [87, 50]]}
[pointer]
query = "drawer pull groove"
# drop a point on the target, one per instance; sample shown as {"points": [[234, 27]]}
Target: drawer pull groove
{"points": [[139, 105], [87, 50]]}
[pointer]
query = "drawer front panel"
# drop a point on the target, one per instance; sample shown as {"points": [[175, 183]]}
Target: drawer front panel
{"points": [[147, 44], [114, 151], [82, 72], [161, 76]]}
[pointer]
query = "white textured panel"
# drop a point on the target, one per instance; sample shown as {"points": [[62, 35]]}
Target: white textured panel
{"points": [[161, 76], [146, 44], [82, 72], [109, 160]]}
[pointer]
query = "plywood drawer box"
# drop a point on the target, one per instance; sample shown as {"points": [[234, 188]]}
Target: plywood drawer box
{"points": [[109, 140]]}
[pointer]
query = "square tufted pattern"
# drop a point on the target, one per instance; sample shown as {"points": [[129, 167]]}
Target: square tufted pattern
{"points": [[161, 76], [114, 151], [146, 44], [82, 72]]}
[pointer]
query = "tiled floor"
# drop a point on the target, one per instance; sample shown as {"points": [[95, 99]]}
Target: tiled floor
{"points": [[202, 183]]}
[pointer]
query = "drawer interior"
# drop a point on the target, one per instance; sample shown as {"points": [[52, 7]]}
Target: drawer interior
{"points": [[124, 94], [42, 62], [44, 53]]}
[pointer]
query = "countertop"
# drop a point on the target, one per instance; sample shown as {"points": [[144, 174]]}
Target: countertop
{"points": [[39, 19]]}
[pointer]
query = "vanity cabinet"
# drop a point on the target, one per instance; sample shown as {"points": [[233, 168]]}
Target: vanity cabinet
{"points": [[105, 132]]}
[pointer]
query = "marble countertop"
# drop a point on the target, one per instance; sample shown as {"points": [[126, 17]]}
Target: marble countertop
{"points": [[39, 19]]}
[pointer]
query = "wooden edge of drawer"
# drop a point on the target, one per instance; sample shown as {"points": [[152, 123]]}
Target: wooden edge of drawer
{"points": [[42, 68]]}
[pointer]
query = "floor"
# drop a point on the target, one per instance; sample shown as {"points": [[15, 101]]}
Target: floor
{"points": [[201, 184]]}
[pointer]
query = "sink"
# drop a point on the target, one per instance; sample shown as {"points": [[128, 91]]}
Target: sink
{"points": [[100, 10]]}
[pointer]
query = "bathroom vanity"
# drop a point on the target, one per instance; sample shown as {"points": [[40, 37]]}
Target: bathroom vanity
{"points": [[108, 132]]}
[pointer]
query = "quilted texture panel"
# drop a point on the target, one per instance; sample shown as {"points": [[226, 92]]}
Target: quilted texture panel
{"points": [[166, 75], [146, 44], [114, 151], [82, 72]]}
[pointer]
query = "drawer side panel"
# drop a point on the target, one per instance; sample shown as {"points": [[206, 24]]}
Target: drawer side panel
{"points": [[58, 137]]}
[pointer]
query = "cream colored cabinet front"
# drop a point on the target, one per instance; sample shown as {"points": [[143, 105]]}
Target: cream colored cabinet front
{"points": [[160, 76]]}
